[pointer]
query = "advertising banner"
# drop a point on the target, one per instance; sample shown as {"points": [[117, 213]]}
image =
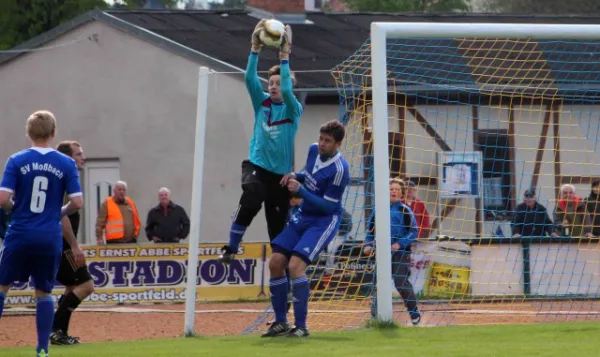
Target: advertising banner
{"points": [[126, 274]]}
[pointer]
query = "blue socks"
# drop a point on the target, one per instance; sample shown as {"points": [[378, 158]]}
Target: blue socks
{"points": [[301, 291], [2, 297], [44, 317], [279, 290], [236, 233]]}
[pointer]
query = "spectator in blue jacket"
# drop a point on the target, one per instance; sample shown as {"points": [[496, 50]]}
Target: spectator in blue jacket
{"points": [[404, 230]]}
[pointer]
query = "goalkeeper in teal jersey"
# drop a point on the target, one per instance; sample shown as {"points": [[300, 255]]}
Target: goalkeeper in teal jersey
{"points": [[276, 119]]}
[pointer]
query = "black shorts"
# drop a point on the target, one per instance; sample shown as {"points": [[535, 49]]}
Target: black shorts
{"points": [[270, 189], [68, 274], [261, 186]]}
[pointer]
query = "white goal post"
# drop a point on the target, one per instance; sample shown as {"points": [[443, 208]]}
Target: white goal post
{"points": [[195, 212], [380, 32]]}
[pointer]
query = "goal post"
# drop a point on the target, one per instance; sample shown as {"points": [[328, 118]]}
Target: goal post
{"points": [[381, 32], [196, 206]]}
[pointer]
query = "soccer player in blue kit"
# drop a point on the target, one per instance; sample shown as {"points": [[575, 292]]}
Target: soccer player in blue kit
{"points": [[38, 178], [321, 185]]}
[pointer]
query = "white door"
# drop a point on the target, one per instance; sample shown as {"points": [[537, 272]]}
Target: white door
{"points": [[100, 177]]}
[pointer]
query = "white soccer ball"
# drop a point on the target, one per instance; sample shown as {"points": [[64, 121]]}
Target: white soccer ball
{"points": [[272, 33]]}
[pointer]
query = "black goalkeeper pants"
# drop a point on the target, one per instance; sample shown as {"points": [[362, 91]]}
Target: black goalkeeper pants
{"points": [[260, 187]]}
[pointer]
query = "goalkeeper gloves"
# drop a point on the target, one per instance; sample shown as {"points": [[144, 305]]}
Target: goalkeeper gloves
{"points": [[286, 44], [256, 43]]}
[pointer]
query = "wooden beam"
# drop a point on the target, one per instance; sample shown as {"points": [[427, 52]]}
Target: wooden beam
{"points": [[446, 211], [423, 180], [395, 150], [402, 134], [428, 128], [478, 213], [577, 180], [539, 155], [557, 166], [511, 158]]}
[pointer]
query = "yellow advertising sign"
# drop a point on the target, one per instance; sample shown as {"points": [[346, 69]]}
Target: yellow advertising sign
{"points": [[158, 274]]}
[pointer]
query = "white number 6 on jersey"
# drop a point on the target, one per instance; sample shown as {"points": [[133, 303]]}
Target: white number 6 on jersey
{"points": [[38, 194]]}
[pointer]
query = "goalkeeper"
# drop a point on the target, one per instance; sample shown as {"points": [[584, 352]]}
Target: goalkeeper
{"points": [[404, 231], [276, 119]]}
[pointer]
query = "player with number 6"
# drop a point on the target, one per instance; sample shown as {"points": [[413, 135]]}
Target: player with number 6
{"points": [[38, 177]]}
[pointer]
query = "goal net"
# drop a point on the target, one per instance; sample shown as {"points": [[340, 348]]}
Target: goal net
{"points": [[489, 130]]}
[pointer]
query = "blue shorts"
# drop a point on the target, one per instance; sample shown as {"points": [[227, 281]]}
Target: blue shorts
{"points": [[306, 236], [18, 263]]}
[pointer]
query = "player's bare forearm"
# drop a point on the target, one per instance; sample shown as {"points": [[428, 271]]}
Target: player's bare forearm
{"points": [[5, 200], [74, 205], [69, 209], [7, 203], [67, 231]]}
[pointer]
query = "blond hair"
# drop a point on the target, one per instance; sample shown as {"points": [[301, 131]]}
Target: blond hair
{"points": [[399, 181], [41, 125]]}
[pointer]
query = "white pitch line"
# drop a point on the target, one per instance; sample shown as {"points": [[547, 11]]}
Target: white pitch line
{"points": [[258, 311]]}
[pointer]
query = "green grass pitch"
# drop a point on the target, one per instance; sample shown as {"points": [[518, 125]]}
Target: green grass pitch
{"points": [[548, 340]]}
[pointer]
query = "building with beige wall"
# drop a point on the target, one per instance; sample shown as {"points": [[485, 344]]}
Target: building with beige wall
{"points": [[125, 85]]}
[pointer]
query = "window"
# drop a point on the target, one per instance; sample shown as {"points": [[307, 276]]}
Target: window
{"points": [[497, 173]]}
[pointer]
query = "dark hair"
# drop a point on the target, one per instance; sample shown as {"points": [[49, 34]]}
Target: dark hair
{"points": [[334, 128], [276, 71], [595, 183], [66, 147]]}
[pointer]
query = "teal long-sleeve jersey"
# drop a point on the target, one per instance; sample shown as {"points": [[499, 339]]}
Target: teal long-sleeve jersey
{"points": [[275, 124]]}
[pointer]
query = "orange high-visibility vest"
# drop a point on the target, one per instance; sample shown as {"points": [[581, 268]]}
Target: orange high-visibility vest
{"points": [[115, 229]]}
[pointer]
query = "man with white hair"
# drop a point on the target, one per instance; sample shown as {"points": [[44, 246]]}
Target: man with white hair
{"points": [[167, 222], [118, 219]]}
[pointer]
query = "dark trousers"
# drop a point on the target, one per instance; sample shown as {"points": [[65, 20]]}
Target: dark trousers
{"points": [[262, 187], [400, 275]]}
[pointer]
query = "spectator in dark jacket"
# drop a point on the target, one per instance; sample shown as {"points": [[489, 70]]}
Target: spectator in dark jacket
{"points": [[593, 207], [531, 218], [167, 222]]}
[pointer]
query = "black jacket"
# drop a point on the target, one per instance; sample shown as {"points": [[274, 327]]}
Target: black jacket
{"points": [[169, 226], [531, 222], [593, 208]]}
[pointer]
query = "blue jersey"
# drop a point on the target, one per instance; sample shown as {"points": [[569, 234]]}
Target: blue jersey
{"points": [[325, 179], [39, 179], [275, 124], [403, 226]]}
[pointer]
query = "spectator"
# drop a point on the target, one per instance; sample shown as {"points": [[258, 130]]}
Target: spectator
{"points": [[118, 218], [570, 215], [167, 222], [404, 230], [593, 207], [531, 218], [419, 210]]}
